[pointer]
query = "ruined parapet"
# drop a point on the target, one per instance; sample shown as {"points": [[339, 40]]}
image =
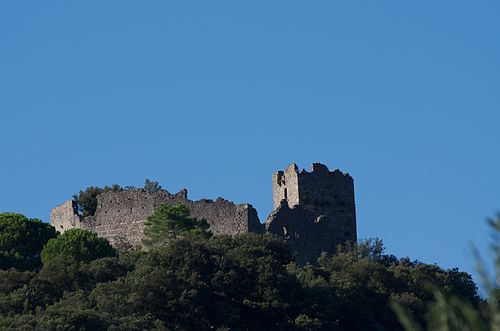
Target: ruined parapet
{"points": [[120, 216], [314, 210], [286, 186], [225, 217], [65, 216], [322, 192]]}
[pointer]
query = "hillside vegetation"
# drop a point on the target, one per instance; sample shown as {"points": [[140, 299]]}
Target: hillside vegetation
{"points": [[187, 279]]}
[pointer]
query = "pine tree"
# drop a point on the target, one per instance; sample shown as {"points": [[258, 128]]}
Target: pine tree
{"points": [[171, 222]]}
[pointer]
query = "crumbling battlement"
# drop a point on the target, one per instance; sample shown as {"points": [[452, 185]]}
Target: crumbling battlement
{"points": [[65, 216], [314, 211], [120, 216]]}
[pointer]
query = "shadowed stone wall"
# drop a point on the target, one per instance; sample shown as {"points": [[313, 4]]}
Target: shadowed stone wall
{"points": [[120, 216], [315, 210], [306, 235]]}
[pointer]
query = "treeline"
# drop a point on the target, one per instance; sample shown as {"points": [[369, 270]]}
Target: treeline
{"points": [[191, 280]]}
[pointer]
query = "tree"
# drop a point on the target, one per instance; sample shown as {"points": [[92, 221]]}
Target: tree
{"points": [[256, 291], [170, 222], [87, 199], [78, 244], [237, 283], [13, 279], [22, 240], [452, 312], [152, 186]]}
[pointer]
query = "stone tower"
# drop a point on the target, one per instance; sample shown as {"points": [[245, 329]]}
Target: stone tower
{"points": [[314, 210]]}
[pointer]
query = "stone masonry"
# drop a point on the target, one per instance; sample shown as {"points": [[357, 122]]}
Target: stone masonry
{"points": [[120, 216], [314, 212]]}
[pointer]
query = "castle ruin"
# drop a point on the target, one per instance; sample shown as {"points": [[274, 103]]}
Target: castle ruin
{"points": [[314, 211]]}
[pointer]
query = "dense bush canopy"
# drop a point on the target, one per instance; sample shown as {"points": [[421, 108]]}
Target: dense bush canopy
{"points": [[21, 241], [243, 282], [77, 244], [246, 282]]}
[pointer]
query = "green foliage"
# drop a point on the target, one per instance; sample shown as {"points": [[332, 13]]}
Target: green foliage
{"points": [[77, 244], [87, 199], [152, 186], [365, 281], [446, 313], [12, 279], [18, 322], [21, 241], [56, 298], [171, 222], [72, 312], [195, 284], [455, 309], [243, 282]]}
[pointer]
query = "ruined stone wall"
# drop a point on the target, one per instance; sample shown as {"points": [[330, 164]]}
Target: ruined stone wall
{"points": [[286, 186], [306, 235], [330, 193], [226, 217], [65, 216], [120, 216]]}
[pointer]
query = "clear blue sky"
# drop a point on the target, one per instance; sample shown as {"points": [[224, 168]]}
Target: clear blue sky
{"points": [[215, 96]]}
